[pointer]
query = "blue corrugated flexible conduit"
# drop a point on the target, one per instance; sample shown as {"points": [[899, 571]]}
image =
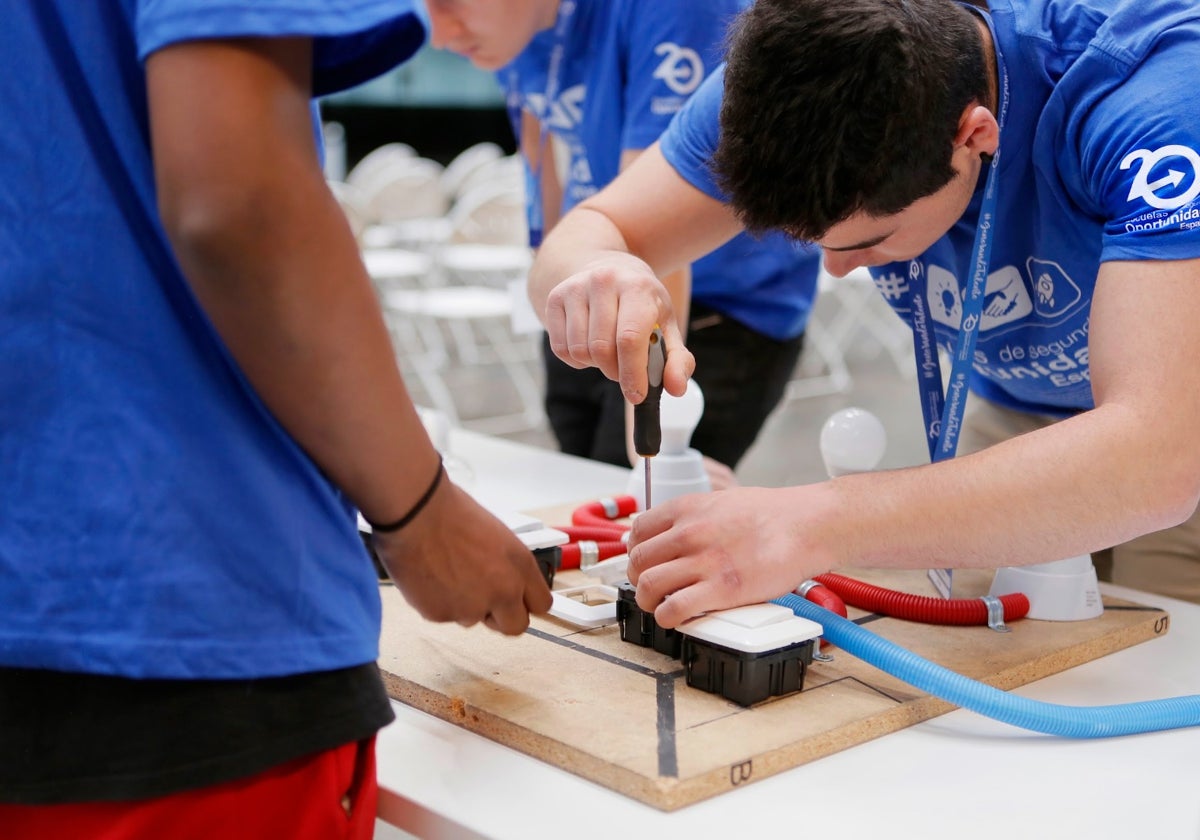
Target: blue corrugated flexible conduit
{"points": [[1050, 718]]}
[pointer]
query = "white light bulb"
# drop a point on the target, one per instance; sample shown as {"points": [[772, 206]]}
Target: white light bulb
{"points": [[852, 441], [679, 417]]}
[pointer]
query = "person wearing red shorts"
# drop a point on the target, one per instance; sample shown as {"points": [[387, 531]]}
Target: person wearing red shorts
{"points": [[198, 396]]}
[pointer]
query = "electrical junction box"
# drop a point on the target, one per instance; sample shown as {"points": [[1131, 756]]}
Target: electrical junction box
{"points": [[639, 626], [545, 543], [750, 653]]}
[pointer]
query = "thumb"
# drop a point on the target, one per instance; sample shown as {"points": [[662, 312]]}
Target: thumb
{"points": [[680, 361]]}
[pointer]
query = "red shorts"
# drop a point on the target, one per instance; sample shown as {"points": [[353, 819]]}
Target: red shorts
{"points": [[327, 796]]}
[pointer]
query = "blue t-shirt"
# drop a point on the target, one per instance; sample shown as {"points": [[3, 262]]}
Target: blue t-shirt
{"points": [[155, 519], [1100, 160], [628, 67]]}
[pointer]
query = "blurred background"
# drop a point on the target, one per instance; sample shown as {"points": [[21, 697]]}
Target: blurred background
{"points": [[423, 160]]}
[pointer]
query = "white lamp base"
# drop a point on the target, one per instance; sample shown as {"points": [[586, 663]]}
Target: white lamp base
{"points": [[1065, 590], [671, 475]]}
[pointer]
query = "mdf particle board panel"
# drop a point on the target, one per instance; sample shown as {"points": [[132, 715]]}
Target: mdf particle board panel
{"points": [[624, 717]]}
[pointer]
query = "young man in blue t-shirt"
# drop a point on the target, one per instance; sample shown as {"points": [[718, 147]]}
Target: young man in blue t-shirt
{"points": [[197, 391], [1023, 182], [603, 79]]}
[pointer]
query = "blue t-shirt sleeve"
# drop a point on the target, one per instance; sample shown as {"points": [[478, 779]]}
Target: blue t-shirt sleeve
{"points": [[353, 41], [1140, 149], [691, 139], [672, 45]]}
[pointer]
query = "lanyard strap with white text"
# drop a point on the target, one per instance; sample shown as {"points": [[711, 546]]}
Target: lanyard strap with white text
{"points": [[943, 409], [533, 171]]}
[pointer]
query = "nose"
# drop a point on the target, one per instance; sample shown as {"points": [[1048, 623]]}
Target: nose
{"points": [[841, 263], [444, 28]]}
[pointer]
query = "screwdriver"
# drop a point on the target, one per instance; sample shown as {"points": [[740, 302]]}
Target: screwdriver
{"points": [[647, 426]]}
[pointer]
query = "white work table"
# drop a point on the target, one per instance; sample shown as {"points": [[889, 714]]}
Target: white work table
{"points": [[958, 775]]}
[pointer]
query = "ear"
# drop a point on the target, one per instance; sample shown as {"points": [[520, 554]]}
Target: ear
{"points": [[978, 131]]}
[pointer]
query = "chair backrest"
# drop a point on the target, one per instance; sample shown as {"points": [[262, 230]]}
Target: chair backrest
{"points": [[465, 163], [492, 213], [364, 171], [408, 188], [509, 170]]}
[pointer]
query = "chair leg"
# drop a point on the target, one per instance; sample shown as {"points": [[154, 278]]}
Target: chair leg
{"points": [[835, 380]]}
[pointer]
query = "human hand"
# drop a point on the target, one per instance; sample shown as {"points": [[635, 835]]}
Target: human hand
{"points": [[720, 477], [711, 551], [602, 317], [457, 562]]}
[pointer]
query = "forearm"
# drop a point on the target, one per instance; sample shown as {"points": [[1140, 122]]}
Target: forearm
{"points": [[269, 254], [1128, 467], [1077, 486], [286, 290]]}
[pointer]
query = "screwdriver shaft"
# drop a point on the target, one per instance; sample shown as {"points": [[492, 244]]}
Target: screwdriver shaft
{"points": [[646, 461]]}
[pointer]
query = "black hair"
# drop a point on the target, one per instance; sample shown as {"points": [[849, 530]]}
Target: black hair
{"points": [[834, 107]]}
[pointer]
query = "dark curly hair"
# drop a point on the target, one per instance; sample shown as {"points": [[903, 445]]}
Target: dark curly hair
{"points": [[833, 107]]}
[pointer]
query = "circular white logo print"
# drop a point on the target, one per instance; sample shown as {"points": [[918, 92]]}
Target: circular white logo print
{"points": [[1151, 191], [681, 68]]}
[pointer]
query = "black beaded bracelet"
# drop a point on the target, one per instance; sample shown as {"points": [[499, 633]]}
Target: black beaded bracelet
{"points": [[391, 527]]}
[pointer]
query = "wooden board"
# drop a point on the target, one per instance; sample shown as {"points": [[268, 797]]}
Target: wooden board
{"points": [[623, 716]]}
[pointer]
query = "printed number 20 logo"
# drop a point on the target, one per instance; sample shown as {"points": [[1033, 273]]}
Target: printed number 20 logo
{"points": [[1147, 190], [681, 68]]}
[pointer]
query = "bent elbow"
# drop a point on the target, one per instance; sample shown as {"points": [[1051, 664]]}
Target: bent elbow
{"points": [[202, 219], [1178, 494]]}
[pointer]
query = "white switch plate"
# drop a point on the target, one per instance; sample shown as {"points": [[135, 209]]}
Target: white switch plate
{"points": [[756, 628]]}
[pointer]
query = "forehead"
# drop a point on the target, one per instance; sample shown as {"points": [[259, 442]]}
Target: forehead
{"points": [[490, 8], [834, 238]]}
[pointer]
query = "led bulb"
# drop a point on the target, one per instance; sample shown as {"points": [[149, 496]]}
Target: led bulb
{"points": [[679, 417], [852, 441]]}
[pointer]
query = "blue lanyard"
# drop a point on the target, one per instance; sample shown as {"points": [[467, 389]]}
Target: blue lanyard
{"points": [[943, 415], [533, 174]]}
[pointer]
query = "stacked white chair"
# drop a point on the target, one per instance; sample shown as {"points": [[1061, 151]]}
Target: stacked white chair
{"points": [[362, 175], [465, 163], [404, 189], [446, 295]]}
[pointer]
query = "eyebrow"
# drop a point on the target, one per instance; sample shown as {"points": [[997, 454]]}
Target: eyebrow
{"points": [[866, 243]]}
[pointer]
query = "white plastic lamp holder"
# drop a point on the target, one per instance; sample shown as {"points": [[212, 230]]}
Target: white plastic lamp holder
{"points": [[678, 468], [1065, 590], [852, 441]]}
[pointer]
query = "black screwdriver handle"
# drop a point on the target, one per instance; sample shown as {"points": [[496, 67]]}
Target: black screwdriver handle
{"points": [[647, 426]]}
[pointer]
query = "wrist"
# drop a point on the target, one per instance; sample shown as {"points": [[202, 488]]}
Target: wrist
{"points": [[394, 525]]}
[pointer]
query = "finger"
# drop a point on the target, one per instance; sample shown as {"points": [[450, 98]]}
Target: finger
{"points": [[652, 554], [681, 364], [663, 581], [602, 316], [650, 523], [579, 297], [683, 604], [720, 476], [566, 319], [636, 319], [508, 617], [538, 599], [556, 322]]}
